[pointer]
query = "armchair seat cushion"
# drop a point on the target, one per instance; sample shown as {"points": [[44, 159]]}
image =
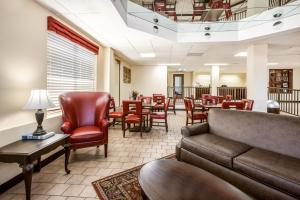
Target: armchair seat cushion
{"points": [[214, 148], [158, 115], [132, 119], [86, 134], [116, 114], [276, 170]]}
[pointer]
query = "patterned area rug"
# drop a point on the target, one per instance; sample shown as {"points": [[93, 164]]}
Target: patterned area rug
{"points": [[121, 186]]}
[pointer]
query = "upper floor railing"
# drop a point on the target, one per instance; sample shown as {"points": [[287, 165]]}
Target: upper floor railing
{"points": [[237, 93], [288, 99], [276, 3]]}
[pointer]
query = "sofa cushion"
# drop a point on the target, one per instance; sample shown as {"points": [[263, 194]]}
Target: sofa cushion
{"points": [[214, 148], [276, 170]]}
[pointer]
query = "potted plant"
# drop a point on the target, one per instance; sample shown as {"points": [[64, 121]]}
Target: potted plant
{"points": [[134, 94]]}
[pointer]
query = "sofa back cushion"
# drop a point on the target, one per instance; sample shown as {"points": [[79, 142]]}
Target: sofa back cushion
{"points": [[277, 133]]}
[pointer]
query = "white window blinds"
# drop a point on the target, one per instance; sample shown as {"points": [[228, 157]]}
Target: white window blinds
{"points": [[70, 68]]}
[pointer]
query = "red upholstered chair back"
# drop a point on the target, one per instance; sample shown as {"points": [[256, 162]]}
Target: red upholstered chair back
{"points": [[167, 103], [248, 104], [140, 97], [136, 104], [159, 98], [84, 108], [220, 99], [238, 105], [205, 96], [228, 97], [188, 103], [148, 100]]}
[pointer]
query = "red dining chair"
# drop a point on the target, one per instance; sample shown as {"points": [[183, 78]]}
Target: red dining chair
{"points": [[205, 98], [159, 102], [248, 104], [132, 116], [239, 105], [228, 97], [114, 114], [194, 102], [84, 116], [172, 104], [192, 114], [161, 116]]}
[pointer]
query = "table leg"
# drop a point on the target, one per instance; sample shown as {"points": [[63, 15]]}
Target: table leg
{"points": [[144, 197], [38, 166], [67, 155], [27, 173]]}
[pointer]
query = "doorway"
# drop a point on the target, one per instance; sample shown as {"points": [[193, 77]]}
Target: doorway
{"points": [[178, 84]]}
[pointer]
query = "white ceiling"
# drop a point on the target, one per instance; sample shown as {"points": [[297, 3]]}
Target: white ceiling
{"points": [[100, 19]]}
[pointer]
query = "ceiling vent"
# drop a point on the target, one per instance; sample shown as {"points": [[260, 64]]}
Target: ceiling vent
{"points": [[194, 54]]}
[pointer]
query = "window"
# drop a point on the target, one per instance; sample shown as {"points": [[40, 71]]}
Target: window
{"points": [[71, 67]]}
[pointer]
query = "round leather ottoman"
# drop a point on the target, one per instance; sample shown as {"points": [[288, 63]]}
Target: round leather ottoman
{"points": [[171, 179]]}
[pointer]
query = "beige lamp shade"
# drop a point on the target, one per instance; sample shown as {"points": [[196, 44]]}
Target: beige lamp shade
{"points": [[39, 99]]}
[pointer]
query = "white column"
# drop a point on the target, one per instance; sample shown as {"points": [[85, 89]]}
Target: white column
{"points": [[256, 6], [257, 76], [215, 79], [109, 70]]}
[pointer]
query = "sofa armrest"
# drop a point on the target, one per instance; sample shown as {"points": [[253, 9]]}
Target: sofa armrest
{"points": [[196, 129], [66, 127]]}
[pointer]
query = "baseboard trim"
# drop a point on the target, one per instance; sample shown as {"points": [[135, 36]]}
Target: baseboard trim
{"points": [[18, 178]]}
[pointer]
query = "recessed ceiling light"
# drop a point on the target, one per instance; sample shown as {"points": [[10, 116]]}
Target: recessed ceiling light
{"points": [[272, 64], [170, 64], [241, 54], [147, 55], [215, 64], [277, 23]]}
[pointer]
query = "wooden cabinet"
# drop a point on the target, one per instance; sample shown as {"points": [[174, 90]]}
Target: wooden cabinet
{"points": [[281, 78]]}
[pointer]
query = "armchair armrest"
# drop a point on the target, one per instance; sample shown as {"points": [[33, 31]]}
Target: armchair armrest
{"points": [[66, 127], [104, 124], [196, 129]]}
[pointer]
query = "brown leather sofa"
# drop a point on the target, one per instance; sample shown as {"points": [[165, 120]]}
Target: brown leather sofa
{"points": [[259, 153]]}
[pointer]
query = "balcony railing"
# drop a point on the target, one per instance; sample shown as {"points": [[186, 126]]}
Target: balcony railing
{"points": [[183, 92], [237, 93], [288, 99], [277, 3]]}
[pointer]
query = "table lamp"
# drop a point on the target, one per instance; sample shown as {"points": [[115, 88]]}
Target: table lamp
{"points": [[39, 100]]}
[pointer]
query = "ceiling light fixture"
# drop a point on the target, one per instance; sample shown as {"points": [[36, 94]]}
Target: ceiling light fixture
{"points": [[155, 20], [207, 28], [147, 55], [272, 63], [277, 15], [241, 54], [207, 34], [277, 23], [215, 64], [170, 64], [155, 29]]}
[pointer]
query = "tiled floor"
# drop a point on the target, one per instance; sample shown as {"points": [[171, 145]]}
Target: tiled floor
{"points": [[90, 164]]}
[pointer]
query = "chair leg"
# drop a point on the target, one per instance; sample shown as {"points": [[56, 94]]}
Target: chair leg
{"points": [[105, 150], [187, 121], [192, 121], [151, 121], [114, 122], [166, 124], [174, 111], [141, 128]]}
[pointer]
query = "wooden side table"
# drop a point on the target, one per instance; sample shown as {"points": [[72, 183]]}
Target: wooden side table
{"points": [[25, 152]]}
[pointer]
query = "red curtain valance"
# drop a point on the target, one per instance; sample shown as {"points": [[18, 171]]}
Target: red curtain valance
{"points": [[63, 30]]}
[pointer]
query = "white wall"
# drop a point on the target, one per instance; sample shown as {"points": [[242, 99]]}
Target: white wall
{"points": [[229, 79], [296, 78], [150, 79]]}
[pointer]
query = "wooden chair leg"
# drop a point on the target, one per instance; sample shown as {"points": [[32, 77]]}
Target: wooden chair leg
{"points": [[141, 128], [192, 121], [166, 124], [114, 122], [187, 121], [105, 150], [174, 111]]}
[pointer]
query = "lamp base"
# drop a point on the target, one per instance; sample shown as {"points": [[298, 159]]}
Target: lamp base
{"points": [[39, 116]]}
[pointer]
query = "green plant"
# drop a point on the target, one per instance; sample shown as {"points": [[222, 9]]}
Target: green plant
{"points": [[134, 94]]}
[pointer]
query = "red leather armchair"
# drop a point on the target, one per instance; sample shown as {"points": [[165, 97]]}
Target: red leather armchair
{"points": [[85, 118]]}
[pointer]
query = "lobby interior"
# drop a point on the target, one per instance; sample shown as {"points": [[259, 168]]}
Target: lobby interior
{"points": [[180, 49]]}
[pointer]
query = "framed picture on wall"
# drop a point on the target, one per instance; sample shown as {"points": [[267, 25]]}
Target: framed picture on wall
{"points": [[126, 75]]}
